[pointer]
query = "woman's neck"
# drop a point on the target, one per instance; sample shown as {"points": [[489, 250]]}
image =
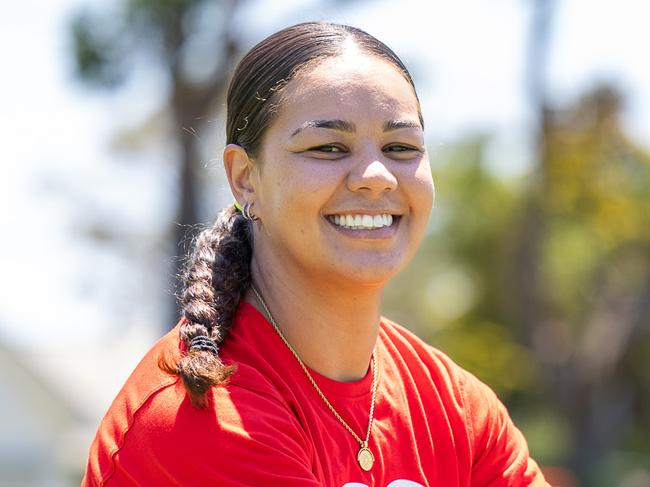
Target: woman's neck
{"points": [[332, 328]]}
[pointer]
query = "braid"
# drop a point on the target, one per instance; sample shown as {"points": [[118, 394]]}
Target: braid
{"points": [[216, 276]]}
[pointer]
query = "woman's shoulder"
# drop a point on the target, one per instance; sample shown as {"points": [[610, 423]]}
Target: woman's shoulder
{"points": [[474, 408], [150, 390], [153, 416], [432, 369], [417, 353]]}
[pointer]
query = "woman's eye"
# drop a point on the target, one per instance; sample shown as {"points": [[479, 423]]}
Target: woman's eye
{"points": [[402, 149], [328, 151], [332, 149]]}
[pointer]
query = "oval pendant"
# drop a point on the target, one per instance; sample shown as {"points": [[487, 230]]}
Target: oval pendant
{"points": [[365, 458]]}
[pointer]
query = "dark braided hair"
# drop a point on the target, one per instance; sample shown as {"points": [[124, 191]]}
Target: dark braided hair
{"points": [[217, 274]]}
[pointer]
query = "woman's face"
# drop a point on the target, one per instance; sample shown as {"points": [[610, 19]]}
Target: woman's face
{"points": [[342, 182]]}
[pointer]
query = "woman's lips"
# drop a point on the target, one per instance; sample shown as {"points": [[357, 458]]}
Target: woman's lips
{"points": [[359, 225]]}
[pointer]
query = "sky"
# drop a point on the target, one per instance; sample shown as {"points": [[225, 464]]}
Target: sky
{"points": [[467, 57]]}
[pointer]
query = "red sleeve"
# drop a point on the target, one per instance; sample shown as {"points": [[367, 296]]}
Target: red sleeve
{"points": [[247, 439], [499, 451]]}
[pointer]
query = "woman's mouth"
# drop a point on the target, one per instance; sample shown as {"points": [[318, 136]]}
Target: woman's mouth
{"points": [[362, 222]]}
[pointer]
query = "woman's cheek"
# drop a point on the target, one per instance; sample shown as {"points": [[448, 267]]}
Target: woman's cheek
{"points": [[425, 179]]}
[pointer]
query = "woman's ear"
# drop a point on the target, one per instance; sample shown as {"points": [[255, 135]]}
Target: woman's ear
{"points": [[239, 170]]}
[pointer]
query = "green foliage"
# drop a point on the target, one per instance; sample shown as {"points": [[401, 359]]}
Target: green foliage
{"points": [[598, 199], [165, 22], [97, 51], [547, 433], [107, 44]]}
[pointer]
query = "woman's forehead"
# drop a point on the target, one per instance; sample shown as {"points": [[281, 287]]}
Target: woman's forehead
{"points": [[348, 67], [361, 83]]}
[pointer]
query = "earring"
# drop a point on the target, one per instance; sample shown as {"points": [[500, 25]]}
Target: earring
{"points": [[246, 212]]}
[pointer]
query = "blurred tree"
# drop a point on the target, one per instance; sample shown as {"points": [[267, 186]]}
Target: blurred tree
{"points": [[595, 261], [580, 274], [167, 34]]}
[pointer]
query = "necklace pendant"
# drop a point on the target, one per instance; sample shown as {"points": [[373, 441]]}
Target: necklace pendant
{"points": [[365, 458]]}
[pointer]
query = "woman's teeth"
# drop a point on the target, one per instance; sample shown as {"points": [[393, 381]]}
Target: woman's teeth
{"points": [[362, 222]]}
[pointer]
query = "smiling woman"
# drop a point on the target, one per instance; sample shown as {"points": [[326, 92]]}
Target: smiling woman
{"points": [[282, 370]]}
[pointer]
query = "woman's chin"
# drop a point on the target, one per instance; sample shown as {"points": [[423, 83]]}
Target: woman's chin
{"points": [[367, 272]]}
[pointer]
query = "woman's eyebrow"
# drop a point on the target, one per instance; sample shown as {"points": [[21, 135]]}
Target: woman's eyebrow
{"points": [[349, 127], [341, 125], [401, 124]]}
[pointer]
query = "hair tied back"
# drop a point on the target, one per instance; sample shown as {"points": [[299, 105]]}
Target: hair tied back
{"points": [[203, 343]]}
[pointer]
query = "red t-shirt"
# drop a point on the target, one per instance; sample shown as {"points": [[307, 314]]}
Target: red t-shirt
{"points": [[435, 424]]}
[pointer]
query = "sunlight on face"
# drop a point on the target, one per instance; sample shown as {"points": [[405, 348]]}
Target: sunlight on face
{"points": [[343, 183]]}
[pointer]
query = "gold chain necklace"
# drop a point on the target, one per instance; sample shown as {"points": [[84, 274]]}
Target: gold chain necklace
{"points": [[365, 456]]}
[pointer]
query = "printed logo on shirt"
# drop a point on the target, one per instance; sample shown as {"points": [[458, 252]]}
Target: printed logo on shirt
{"points": [[394, 483]]}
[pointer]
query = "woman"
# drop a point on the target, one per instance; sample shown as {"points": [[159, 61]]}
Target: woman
{"points": [[282, 371]]}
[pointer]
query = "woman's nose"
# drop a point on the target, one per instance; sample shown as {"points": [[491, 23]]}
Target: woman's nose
{"points": [[371, 174]]}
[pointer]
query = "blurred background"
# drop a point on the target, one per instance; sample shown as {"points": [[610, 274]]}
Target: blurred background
{"points": [[535, 272]]}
